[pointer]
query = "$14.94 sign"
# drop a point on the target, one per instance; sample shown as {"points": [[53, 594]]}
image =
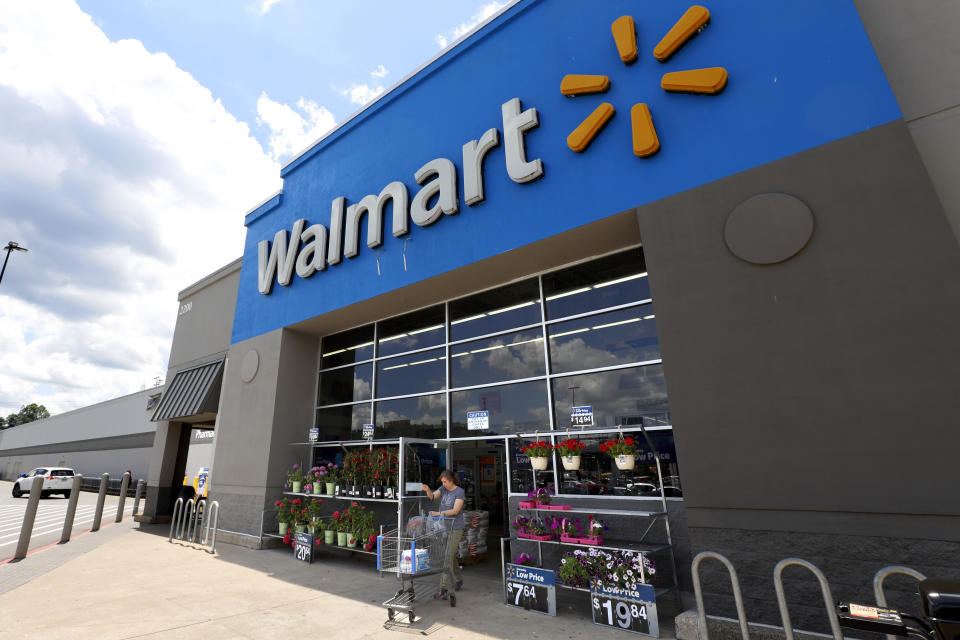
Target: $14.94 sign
{"points": [[531, 588], [628, 609]]}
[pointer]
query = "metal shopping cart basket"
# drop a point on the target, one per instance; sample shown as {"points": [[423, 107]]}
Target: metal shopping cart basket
{"points": [[415, 555]]}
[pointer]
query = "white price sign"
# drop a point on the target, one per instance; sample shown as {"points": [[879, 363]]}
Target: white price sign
{"points": [[478, 420]]}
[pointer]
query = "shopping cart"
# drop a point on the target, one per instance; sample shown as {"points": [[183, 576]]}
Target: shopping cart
{"points": [[414, 555]]}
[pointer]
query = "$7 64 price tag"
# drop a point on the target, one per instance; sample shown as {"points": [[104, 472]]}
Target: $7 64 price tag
{"points": [[518, 590]]}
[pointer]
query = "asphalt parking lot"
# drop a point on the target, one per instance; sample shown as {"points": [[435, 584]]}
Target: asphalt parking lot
{"points": [[50, 517]]}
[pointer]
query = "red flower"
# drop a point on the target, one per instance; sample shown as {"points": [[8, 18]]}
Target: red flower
{"points": [[372, 538], [336, 515], [354, 504], [286, 539]]}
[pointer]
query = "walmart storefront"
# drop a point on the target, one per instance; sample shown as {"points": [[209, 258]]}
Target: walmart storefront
{"points": [[716, 230]]}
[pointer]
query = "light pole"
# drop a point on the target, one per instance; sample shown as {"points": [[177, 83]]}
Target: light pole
{"points": [[11, 246]]}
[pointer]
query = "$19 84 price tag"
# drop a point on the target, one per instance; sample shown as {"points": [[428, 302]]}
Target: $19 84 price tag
{"points": [[631, 616]]}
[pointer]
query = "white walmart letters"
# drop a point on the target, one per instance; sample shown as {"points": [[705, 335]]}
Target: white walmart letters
{"points": [[437, 178]]}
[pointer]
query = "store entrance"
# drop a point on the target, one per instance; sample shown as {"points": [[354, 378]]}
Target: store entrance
{"points": [[480, 465]]}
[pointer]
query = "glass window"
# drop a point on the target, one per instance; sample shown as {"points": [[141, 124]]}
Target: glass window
{"points": [[343, 423], [418, 417], [607, 282], [513, 408], [515, 305], [415, 330], [618, 397], [346, 384], [598, 473], [506, 357], [350, 346], [617, 337], [413, 373], [521, 471]]}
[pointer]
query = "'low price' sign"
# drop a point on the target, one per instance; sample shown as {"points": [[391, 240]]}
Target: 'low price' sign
{"points": [[531, 589]]}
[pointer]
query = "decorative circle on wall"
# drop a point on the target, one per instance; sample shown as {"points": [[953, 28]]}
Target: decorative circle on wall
{"points": [[768, 228], [249, 365]]}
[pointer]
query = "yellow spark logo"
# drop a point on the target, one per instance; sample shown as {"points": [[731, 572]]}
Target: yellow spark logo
{"points": [[700, 81]]}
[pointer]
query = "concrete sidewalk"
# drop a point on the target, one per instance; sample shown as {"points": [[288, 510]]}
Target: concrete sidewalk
{"points": [[137, 585]]}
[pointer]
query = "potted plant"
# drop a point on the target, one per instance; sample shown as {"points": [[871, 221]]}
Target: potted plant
{"points": [[284, 515], [537, 529], [539, 454], [570, 451], [296, 477], [361, 524], [341, 524], [301, 515], [371, 540], [329, 533], [351, 469], [571, 530], [595, 529], [314, 509], [541, 496], [576, 569], [316, 479], [391, 478], [623, 451], [329, 475], [524, 560]]}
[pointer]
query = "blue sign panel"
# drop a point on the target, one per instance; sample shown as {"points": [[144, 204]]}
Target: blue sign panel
{"points": [[469, 158]]}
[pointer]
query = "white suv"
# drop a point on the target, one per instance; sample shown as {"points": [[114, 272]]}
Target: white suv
{"points": [[55, 480]]}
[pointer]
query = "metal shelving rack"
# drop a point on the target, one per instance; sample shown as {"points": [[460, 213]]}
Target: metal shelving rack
{"points": [[639, 546], [401, 498]]}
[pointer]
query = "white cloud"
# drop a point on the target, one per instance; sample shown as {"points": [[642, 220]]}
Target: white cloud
{"points": [[379, 72], [362, 93], [292, 131], [484, 12], [128, 181], [266, 5]]}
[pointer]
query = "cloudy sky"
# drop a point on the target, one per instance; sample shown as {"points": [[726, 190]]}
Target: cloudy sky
{"points": [[135, 135]]}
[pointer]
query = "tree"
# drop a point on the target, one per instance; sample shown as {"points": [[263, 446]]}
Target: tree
{"points": [[27, 413], [32, 412]]}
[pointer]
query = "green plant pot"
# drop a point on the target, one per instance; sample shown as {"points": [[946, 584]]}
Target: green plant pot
{"points": [[351, 541], [297, 487], [341, 538], [301, 528], [329, 537], [330, 486], [316, 488], [283, 528]]}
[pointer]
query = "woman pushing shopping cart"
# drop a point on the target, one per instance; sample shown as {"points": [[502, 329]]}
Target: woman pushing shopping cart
{"points": [[426, 547]]}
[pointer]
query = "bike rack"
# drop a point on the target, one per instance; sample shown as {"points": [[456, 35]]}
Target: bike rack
{"points": [[824, 588], [211, 521], [703, 631], [882, 575], [194, 521], [177, 513]]}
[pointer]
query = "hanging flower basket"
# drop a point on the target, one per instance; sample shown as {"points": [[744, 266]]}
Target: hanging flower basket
{"points": [[623, 451], [569, 451], [539, 454]]}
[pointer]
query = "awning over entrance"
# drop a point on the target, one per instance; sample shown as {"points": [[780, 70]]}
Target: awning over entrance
{"points": [[193, 392]]}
